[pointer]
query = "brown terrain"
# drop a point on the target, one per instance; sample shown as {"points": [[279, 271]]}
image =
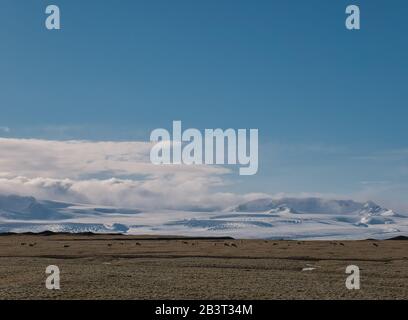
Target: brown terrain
{"points": [[143, 267]]}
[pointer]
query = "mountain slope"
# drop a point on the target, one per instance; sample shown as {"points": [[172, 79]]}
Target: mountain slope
{"points": [[23, 208]]}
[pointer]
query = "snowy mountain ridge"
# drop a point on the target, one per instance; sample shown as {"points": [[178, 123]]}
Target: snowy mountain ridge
{"points": [[312, 205], [286, 218]]}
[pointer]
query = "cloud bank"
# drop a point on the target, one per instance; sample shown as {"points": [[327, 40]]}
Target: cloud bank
{"points": [[109, 173]]}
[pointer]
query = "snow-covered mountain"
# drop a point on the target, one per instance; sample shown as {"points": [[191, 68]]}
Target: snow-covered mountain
{"points": [[286, 218], [372, 209], [302, 205], [14, 207], [22, 208]]}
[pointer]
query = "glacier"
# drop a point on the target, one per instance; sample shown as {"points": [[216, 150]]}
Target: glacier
{"points": [[268, 218]]}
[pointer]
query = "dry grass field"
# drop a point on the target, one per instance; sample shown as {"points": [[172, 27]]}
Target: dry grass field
{"points": [[137, 267]]}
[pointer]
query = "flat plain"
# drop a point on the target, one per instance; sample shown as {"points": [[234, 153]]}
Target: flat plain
{"points": [[144, 267]]}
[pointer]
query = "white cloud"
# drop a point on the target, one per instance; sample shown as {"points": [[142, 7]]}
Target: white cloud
{"points": [[120, 174], [79, 159], [109, 173]]}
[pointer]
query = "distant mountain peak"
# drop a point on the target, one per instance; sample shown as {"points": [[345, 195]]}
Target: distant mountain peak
{"points": [[16, 203], [23, 207], [311, 205], [370, 208]]}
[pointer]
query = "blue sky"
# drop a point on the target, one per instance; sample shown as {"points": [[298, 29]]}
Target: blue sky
{"points": [[330, 104]]}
